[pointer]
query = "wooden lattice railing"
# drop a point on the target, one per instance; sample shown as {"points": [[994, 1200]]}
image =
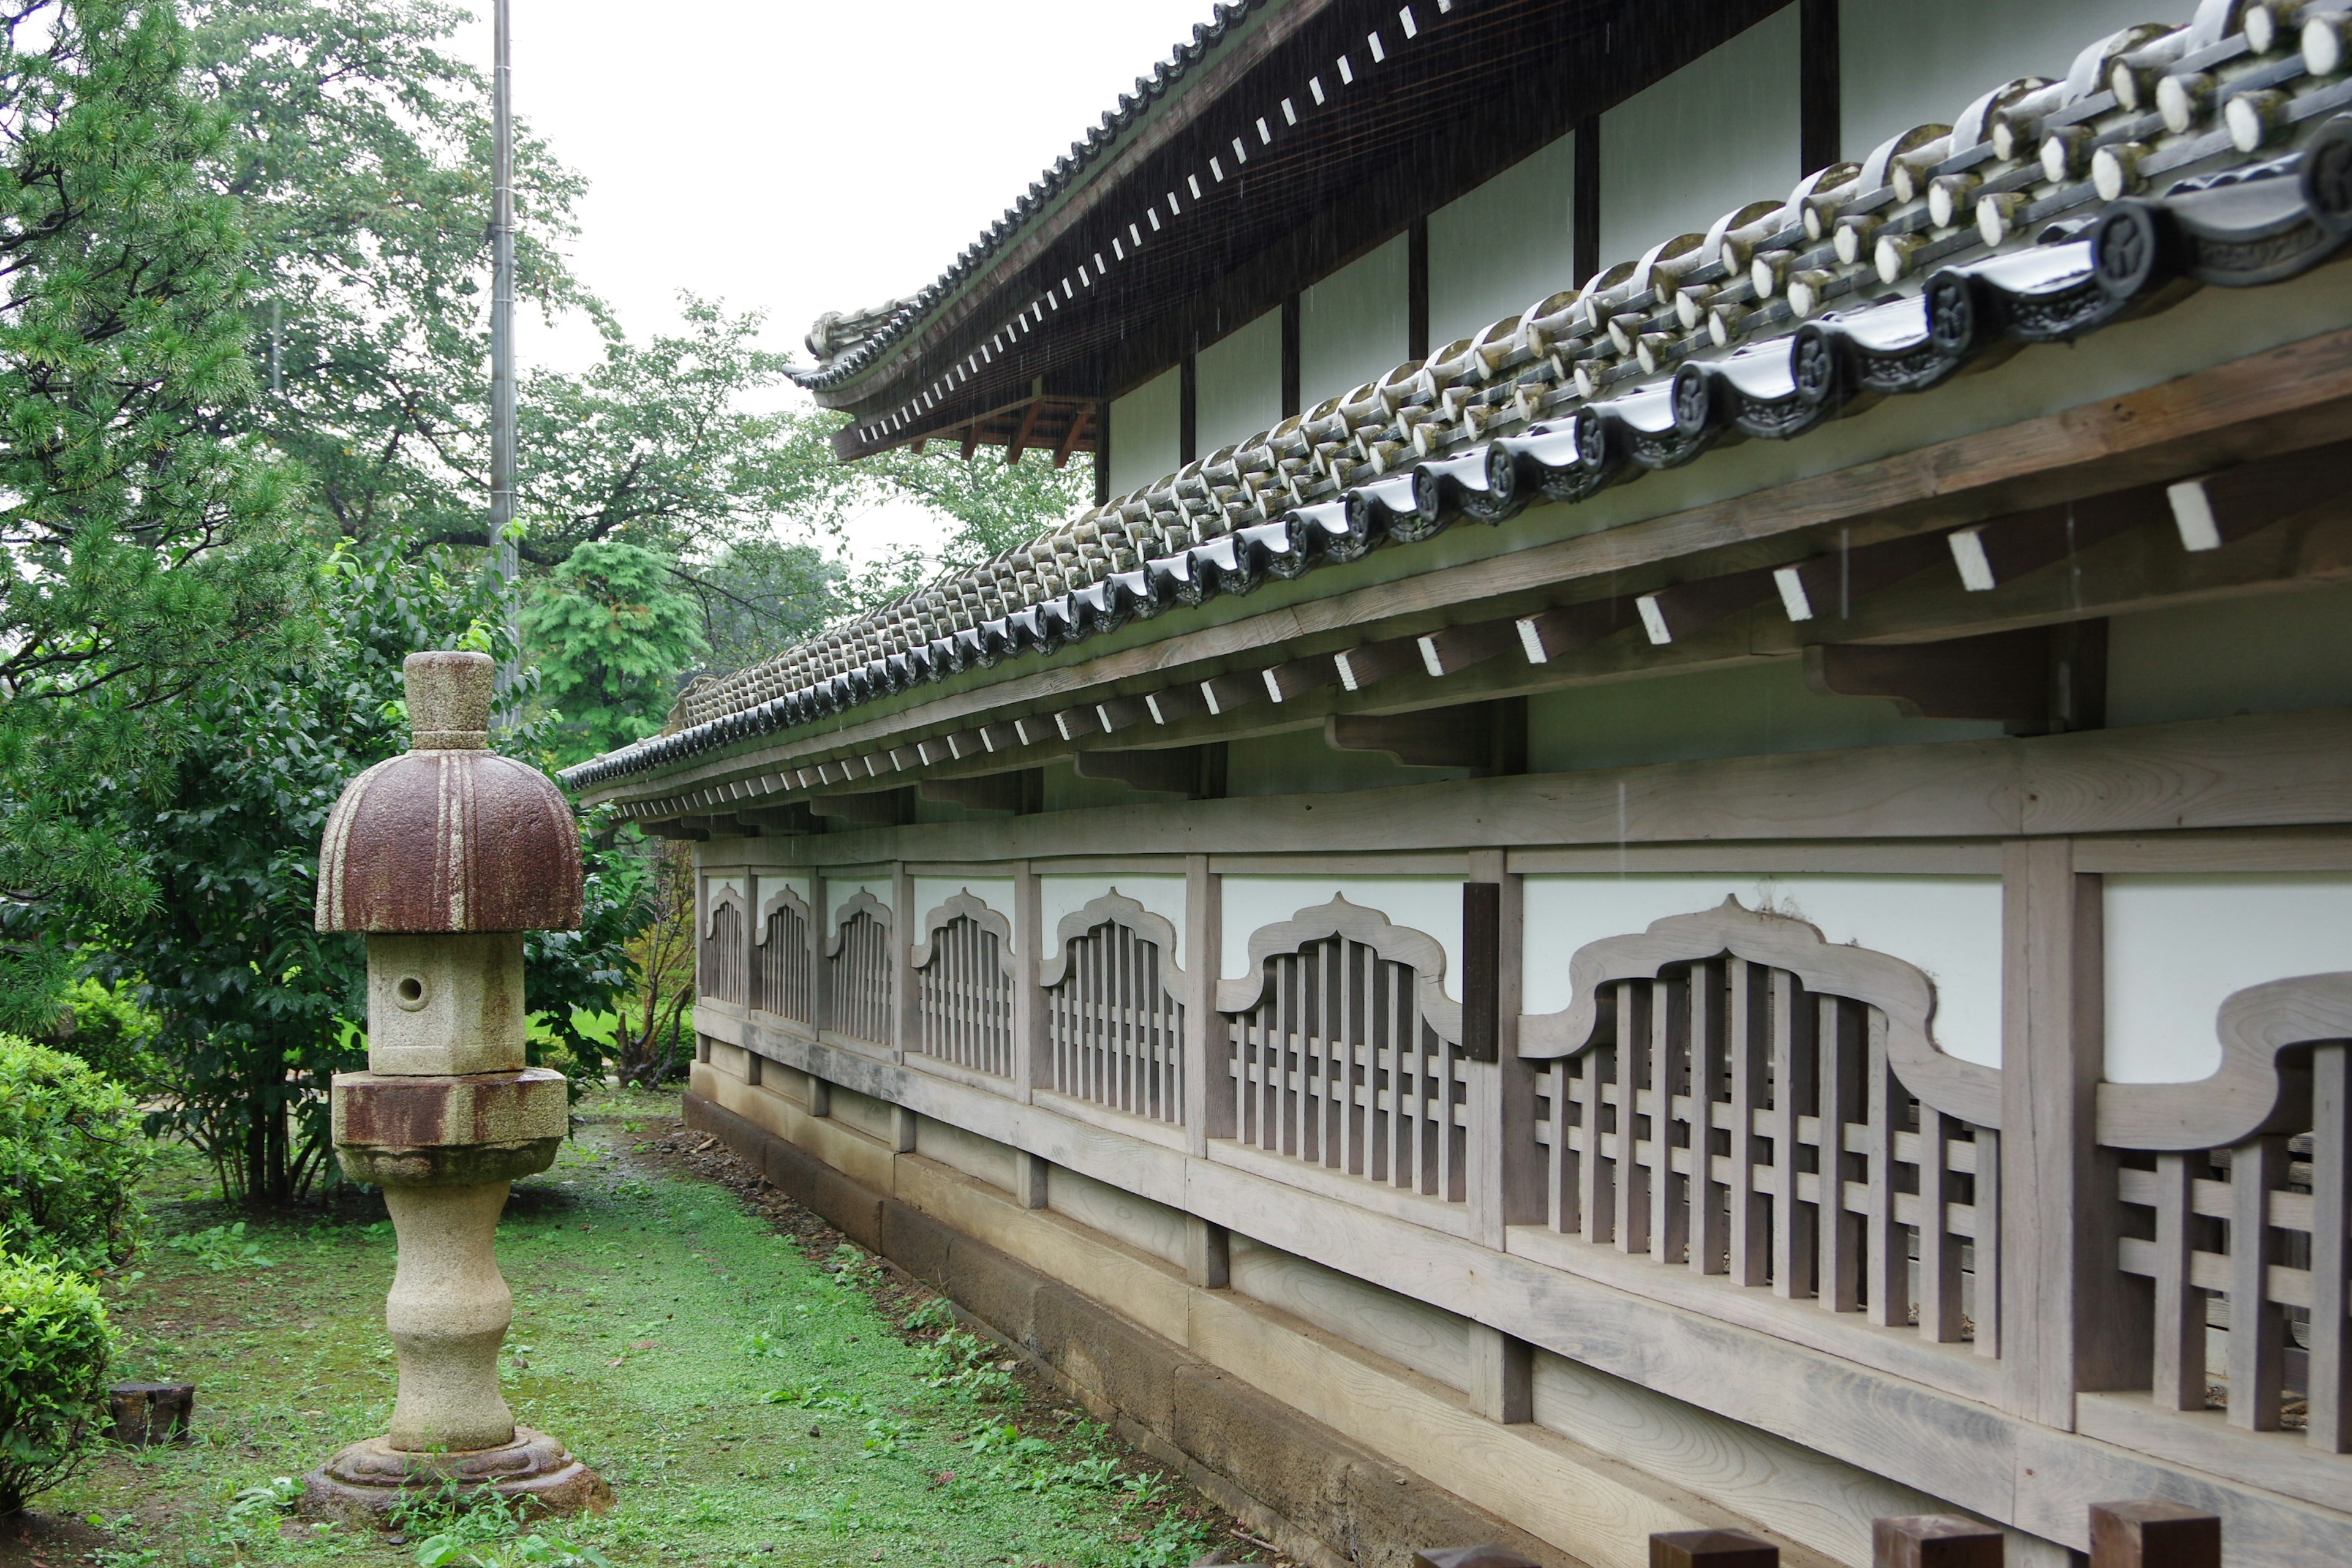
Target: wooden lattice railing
{"points": [[963, 988], [1114, 1026], [858, 971], [2238, 1215], [783, 960], [723, 962], [1343, 1051], [1734, 1096]]}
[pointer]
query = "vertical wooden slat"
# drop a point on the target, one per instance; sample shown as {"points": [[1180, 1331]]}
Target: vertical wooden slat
{"points": [[1633, 1228], [1710, 1238], [1792, 1218], [1886, 1282], [2330, 1366], [2179, 1363], [1212, 1102], [1987, 1247], [1841, 1231], [2257, 1325], [1669, 1023], [1939, 1249], [1749, 1027]]}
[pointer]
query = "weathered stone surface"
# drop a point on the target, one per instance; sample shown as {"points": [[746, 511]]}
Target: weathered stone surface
{"points": [[446, 1004], [455, 1131], [367, 1480], [450, 836], [447, 1313], [1132, 1367], [916, 1242]]}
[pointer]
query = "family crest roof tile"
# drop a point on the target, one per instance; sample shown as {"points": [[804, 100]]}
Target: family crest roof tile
{"points": [[2048, 208]]}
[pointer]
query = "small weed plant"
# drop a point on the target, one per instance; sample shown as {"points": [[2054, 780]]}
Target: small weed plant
{"points": [[223, 1249]]}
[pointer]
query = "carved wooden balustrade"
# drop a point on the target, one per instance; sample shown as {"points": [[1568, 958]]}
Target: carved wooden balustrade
{"points": [[2236, 1195], [722, 960], [858, 971], [1114, 1022], [1344, 1052], [963, 996], [1731, 1095], [784, 965]]}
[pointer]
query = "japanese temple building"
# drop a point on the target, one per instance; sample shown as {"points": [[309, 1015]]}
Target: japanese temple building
{"points": [[1677, 847]]}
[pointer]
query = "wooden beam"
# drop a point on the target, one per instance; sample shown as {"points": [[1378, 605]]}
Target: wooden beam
{"points": [[1548, 634], [1171, 770], [793, 817], [2005, 676], [1461, 736], [1375, 662], [1074, 434], [873, 809], [1118, 713], [2223, 508], [1992, 553], [1225, 693], [1827, 587], [1072, 723], [1019, 442], [1020, 791], [1288, 681], [1453, 649], [1687, 609], [2150, 1534], [971, 439], [1175, 703]]}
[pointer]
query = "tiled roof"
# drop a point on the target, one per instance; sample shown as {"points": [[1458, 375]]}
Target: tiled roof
{"points": [[2163, 158], [843, 355]]}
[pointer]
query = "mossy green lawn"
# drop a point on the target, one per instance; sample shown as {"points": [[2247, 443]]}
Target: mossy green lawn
{"points": [[747, 1401]]}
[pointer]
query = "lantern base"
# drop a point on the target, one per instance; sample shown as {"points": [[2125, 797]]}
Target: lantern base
{"points": [[365, 1482]]}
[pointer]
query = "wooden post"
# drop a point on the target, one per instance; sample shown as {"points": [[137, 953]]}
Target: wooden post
{"points": [[2330, 1377], [820, 1096], [2151, 1533], [1033, 1063], [1507, 1164], [1711, 1549], [1208, 1254], [905, 1015], [1030, 1175], [902, 1130], [1208, 1097], [1933, 1540], [1502, 1375], [2071, 1319], [820, 972]]}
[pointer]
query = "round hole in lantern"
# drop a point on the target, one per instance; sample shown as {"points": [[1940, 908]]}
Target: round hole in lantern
{"points": [[409, 991]]}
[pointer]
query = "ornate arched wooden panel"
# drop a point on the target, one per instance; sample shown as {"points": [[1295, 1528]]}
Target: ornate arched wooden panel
{"points": [[963, 987], [1343, 1051], [857, 970], [1730, 1093], [723, 961], [783, 958], [1114, 1027], [2261, 1150]]}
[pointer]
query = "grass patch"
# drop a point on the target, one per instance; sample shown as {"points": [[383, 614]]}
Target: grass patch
{"points": [[753, 1396]]}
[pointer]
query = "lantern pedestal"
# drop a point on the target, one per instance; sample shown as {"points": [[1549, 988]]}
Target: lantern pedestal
{"points": [[446, 1149], [443, 856]]}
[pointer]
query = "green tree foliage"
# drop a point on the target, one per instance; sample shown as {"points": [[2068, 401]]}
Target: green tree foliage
{"points": [[143, 550], [359, 148], [763, 596], [70, 1160], [610, 632], [258, 1009], [54, 1346]]}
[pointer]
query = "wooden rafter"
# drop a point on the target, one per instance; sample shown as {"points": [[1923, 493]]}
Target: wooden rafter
{"points": [[1077, 432], [1021, 436]]}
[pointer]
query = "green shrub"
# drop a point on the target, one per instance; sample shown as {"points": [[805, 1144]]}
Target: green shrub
{"points": [[54, 1341], [106, 1027], [71, 1154]]}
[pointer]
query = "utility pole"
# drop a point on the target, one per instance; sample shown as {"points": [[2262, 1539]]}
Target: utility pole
{"points": [[502, 362]]}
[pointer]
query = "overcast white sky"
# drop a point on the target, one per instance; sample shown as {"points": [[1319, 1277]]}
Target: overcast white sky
{"points": [[805, 155]]}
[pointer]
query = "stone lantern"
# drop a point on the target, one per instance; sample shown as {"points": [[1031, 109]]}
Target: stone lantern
{"points": [[444, 857]]}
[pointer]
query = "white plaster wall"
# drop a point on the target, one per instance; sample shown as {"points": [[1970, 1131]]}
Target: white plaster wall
{"points": [[996, 892], [1146, 433], [772, 883], [1949, 927], [1902, 63], [1717, 134], [1352, 325], [1428, 904], [1059, 897], [2176, 946], [1146, 1225], [1238, 384], [1504, 245], [2277, 654], [838, 893]]}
